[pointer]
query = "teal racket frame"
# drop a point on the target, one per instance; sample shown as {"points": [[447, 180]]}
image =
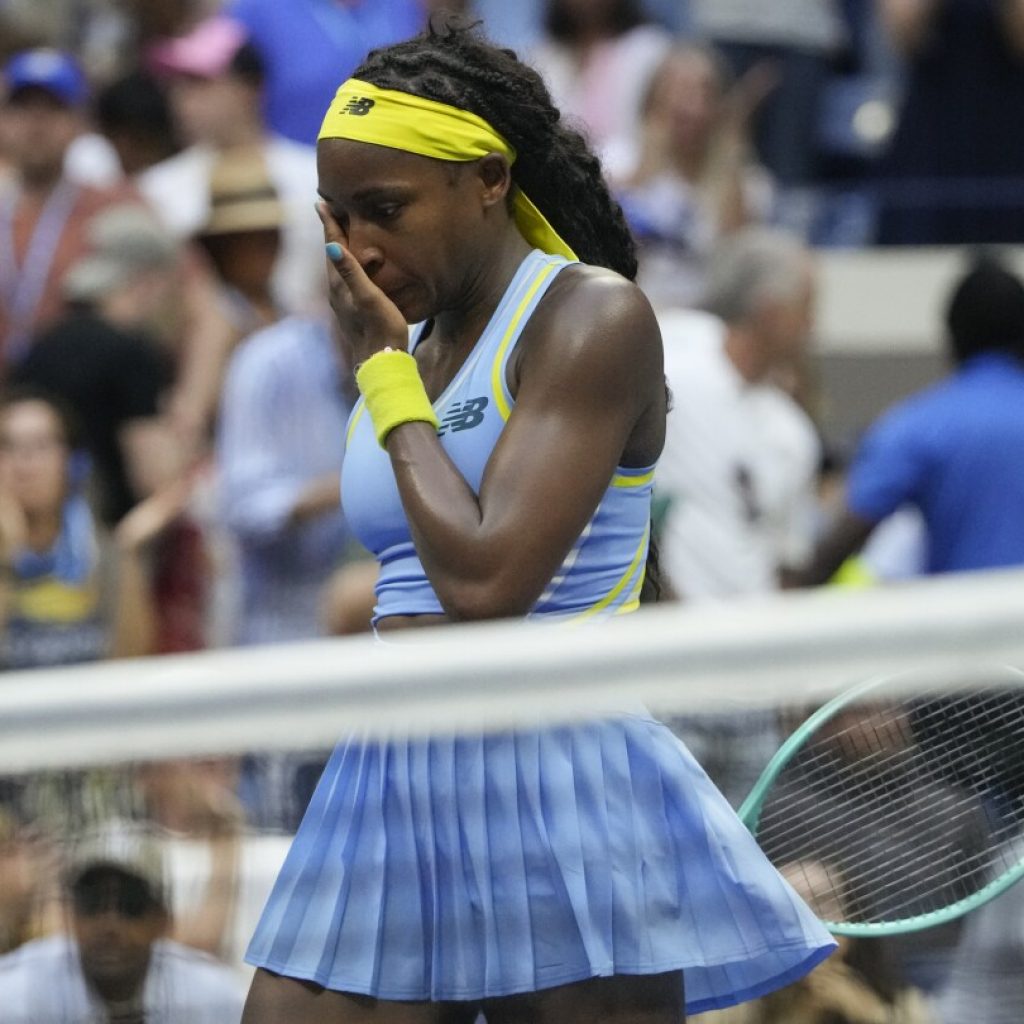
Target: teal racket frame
{"points": [[750, 815]]}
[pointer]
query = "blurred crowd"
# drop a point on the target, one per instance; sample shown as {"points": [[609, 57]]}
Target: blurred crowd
{"points": [[173, 395]]}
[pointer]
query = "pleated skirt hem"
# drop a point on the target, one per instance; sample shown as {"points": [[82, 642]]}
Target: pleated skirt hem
{"points": [[359, 987], [477, 867]]}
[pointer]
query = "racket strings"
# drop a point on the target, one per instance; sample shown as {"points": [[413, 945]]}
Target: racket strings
{"points": [[874, 891], [798, 829], [908, 806]]}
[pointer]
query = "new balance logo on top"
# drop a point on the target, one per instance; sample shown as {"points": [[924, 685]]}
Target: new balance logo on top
{"points": [[359, 105], [463, 416]]}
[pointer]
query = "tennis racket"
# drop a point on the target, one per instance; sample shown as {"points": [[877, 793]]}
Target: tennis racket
{"points": [[892, 813]]}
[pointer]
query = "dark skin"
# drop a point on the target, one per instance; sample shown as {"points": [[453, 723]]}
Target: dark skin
{"points": [[642, 999], [844, 538], [428, 240], [587, 377], [114, 949]]}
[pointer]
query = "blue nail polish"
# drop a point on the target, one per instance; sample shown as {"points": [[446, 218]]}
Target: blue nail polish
{"points": [[334, 251]]}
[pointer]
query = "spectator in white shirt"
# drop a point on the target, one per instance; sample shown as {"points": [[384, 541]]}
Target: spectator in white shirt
{"points": [[597, 58], [741, 457], [215, 79], [115, 964], [686, 177]]}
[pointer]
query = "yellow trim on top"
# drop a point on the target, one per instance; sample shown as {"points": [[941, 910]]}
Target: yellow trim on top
{"points": [[633, 602], [621, 585], [356, 413], [624, 480], [496, 376]]}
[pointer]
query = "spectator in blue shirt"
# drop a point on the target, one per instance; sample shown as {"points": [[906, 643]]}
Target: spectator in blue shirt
{"points": [[280, 430], [954, 451], [332, 38], [283, 417]]}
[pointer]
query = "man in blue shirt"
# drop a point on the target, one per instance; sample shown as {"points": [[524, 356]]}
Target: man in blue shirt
{"points": [[954, 451]]}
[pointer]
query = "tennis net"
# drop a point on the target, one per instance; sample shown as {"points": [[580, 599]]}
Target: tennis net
{"points": [[207, 760]]}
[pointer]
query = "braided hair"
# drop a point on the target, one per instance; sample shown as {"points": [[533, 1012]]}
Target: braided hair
{"points": [[452, 63]]}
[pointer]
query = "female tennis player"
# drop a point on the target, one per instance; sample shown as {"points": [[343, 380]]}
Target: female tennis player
{"points": [[499, 464]]}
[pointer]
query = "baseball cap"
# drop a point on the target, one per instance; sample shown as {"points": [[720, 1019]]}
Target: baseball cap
{"points": [[125, 241], [54, 71], [205, 52], [119, 847]]}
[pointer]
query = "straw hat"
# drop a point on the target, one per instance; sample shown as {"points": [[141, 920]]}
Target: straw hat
{"points": [[242, 196]]}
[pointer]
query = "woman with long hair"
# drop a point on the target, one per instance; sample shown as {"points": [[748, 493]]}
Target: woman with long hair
{"points": [[499, 464], [597, 57]]}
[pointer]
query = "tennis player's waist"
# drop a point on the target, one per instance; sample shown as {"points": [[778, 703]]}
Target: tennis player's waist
{"points": [[403, 588]]}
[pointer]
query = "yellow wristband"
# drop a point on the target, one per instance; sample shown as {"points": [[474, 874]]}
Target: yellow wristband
{"points": [[391, 384]]}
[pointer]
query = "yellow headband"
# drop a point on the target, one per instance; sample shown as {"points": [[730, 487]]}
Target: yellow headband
{"points": [[364, 113]]}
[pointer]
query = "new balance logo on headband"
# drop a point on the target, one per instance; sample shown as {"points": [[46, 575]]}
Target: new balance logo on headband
{"points": [[463, 416], [360, 106]]}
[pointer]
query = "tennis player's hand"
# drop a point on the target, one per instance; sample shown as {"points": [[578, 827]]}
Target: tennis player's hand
{"points": [[369, 320]]}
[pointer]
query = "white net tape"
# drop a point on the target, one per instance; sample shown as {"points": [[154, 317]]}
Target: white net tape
{"points": [[794, 648]]}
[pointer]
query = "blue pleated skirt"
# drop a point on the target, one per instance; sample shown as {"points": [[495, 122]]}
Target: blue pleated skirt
{"points": [[474, 867]]}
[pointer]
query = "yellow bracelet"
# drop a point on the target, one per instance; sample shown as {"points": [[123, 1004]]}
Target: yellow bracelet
{"points": [[391, 384]]}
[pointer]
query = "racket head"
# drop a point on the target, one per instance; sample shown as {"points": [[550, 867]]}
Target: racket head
{"points": [[893, 809]]}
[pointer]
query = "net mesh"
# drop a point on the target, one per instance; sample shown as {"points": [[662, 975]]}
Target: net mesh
{"points": [[209, 760]]}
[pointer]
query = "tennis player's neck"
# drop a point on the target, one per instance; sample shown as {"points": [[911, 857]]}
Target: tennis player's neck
{"points": [[462, 325]]}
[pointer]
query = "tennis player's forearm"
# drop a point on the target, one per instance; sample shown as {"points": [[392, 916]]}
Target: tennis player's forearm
{"points": [[465, 558]]}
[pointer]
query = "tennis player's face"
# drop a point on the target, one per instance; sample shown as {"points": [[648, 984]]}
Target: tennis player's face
{"points": [[417, 226]]}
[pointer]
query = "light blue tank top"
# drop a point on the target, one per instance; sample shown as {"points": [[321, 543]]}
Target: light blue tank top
{"points": [[604, 571]]}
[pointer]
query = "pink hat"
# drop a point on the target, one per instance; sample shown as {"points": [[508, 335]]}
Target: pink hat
{"points": [[205, 52]]}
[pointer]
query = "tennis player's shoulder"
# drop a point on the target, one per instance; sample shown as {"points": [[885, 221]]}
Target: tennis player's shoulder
{"points": [[595, 308], [581, 287]]}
